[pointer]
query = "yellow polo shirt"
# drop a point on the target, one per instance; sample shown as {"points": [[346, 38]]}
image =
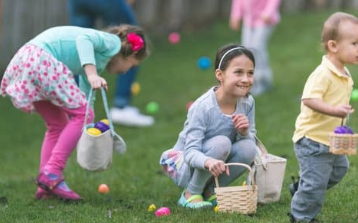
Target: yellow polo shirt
{"points": [[333, 87]]}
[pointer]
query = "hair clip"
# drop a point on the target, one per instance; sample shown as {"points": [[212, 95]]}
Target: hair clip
{"points": [[136, 41]]}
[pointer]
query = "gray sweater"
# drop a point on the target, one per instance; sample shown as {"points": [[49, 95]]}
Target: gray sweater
{"points": [[205, 120]]}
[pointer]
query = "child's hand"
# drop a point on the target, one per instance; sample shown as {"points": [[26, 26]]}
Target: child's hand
{"points": [[343, 110], [266, 18], [97, 82], [216, 167], [234, 24], [241, 123]]}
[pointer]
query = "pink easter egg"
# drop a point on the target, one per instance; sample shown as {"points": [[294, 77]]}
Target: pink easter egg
{"points": [[174, 38], [162, 211]]}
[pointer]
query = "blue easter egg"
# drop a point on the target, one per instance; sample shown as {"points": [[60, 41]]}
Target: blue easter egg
{"points": [[204, 63]]}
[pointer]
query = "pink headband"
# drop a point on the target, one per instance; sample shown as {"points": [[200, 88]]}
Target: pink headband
{"points": [[136, 41]]}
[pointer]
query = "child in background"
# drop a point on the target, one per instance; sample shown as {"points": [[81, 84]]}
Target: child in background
{"points": [[325, 101], [259, 20], [40, 79], [219, 129]]}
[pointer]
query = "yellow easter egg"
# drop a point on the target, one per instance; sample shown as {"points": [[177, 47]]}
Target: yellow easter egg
{"points": [[94, 131], [152, 207], [135, 88], [105, 121], [216, 209]]}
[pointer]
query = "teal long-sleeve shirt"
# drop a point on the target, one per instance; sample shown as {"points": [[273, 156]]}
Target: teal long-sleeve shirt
{"points": [[76, 47]]}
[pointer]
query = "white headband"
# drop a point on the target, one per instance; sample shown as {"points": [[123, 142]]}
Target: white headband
{"points": [[221, 60]]}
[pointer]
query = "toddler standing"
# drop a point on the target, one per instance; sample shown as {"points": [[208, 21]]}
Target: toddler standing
{"points": [[40, 79], [325, 102]]}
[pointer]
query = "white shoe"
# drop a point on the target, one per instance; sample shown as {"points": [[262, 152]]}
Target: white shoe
{"points": [[130, 116]]}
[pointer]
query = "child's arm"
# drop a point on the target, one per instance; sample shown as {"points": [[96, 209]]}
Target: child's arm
{"points": [[272, 7], [96, 81], [235, 14], [320, 106]]}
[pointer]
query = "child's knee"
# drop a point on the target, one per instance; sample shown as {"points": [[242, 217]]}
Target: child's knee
{"points": [[223, 145], [218, 147], [247, 150]]}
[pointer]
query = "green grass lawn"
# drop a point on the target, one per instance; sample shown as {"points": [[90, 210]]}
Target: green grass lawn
{"points": [[170, 77]]}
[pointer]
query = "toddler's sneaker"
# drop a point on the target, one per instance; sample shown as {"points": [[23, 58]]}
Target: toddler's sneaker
{"points": [[41, 194], [56, 185], [293, 220], [130, 116]]}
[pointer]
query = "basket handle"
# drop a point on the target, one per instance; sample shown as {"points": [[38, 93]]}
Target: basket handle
{"points": [[105, 104], [260, 145], [347, 119], [237, 164]]}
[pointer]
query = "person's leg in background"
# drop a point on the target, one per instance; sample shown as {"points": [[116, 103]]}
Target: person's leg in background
{"points": [[120, 12], [256, 39]]}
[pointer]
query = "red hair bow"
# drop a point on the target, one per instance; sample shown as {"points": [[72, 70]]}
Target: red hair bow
{"points": [[136, 41]]}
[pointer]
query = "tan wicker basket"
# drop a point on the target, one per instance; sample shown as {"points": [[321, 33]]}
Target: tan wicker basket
{"points": [[241, 199], [343, 144]]}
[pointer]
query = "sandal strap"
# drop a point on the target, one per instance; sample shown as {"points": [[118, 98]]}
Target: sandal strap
{"points": [[54, 183], [212, 198], [194, 197]]}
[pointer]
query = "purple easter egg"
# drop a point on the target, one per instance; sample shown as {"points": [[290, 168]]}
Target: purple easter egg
{"points": [[101, 126], [343, 130], [349, 130]]}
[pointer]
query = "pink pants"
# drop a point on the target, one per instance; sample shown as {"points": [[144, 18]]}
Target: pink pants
{"points": [[64, 127]]}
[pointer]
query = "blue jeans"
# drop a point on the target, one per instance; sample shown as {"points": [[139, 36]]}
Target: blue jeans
{"points": [[319, 171], [113, 12]]}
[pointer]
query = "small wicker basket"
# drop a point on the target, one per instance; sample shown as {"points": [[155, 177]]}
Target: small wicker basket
{"points": [[241, 199], [343, 144]]}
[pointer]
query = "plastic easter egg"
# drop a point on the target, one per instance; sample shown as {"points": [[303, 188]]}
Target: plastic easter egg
{"points": [[94, 131], [204, 63], [152, 107], [188, 105], [101, 126], [174, 38], [103, 189], [354, 95], [152, 207], [105, 121], [343, 130], [162, 211], [216, 209], [135, 88], [90, 125]]}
